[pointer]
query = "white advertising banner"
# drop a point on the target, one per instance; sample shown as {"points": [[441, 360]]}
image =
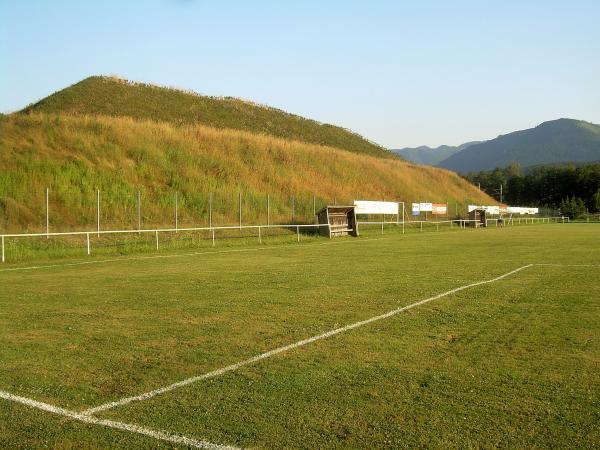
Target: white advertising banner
{"points": [[493, 210], [426, 207], [472, 207], [416, 209], [370, 207], [439, 208], [522, 210]]}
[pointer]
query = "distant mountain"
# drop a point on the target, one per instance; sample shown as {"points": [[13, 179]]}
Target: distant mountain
{"points": [[556, 141], [428, 155]]}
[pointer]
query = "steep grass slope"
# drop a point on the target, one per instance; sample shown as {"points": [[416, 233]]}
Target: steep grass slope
{"points": [[116, 97], [74, 155]]}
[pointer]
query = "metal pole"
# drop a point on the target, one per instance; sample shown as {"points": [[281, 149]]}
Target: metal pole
{"points": [[98, 211], [298, 232], [88, 243], [3, 259], [176, 215], [240, 206], [210, 198], [213, 236], [139, 210], [402, 217], [500, 192], [268, 210], [47, 216], [156, 233], [259, 237]]}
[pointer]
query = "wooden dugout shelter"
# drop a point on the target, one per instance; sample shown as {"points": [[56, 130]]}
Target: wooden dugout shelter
{"points": [[337, 221], [478, 215]]}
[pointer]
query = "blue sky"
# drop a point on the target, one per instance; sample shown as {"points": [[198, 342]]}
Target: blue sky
{"points": [[400, 73]]}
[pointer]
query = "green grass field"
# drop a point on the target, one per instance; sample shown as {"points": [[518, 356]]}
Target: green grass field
{"points": [[514, 363]]}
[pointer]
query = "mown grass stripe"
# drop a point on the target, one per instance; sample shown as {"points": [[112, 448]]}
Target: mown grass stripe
{"points": [[233, 367]]}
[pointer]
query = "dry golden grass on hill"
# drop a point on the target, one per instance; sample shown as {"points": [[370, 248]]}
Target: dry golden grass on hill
{"points": [[74, 156]]}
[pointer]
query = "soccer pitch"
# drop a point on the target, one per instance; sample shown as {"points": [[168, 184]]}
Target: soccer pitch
{"points": [[471, 338]]}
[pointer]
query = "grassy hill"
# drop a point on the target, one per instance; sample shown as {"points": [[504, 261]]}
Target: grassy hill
{"points": [[556, 141], [112, 96], [74, 155]]}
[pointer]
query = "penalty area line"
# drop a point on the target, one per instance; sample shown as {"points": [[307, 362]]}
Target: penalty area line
{"points": [[286, 348], [148, 432]]}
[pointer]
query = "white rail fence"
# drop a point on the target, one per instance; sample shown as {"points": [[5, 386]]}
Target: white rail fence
{"points": [[460, 223]]}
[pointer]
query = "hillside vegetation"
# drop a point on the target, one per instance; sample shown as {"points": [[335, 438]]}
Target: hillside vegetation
{"points": [[112, 96], [74, 155]]}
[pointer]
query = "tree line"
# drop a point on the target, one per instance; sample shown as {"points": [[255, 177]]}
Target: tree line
{"points": [[573, 189]]}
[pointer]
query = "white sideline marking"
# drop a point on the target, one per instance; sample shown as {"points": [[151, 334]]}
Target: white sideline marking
{"points": [[180, 255], [567, 265], [160, 435], [232, 367]]}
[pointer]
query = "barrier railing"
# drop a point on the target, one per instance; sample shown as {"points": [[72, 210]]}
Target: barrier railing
{"points": [[461, 223]]}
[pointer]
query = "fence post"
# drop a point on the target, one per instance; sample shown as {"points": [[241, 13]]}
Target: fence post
{"points": [[88, 243], [139, 211], [210, 198], [421, 222], [403, 218], [176, 215], [3, 259], [298, 232], [98, 211], [259, 237], [213, 236], [47, 216], [156, 233], [240, 207], [268, 210]]}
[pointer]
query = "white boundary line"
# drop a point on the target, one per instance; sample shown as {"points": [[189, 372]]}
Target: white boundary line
{"points": [[232, 367], [160, 435], [182, 255]]}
